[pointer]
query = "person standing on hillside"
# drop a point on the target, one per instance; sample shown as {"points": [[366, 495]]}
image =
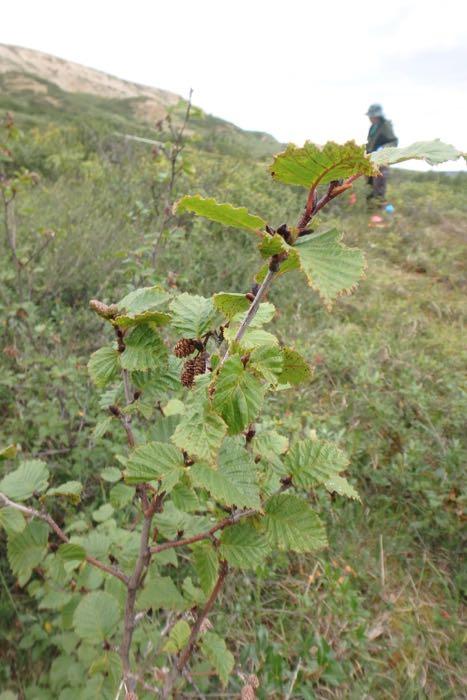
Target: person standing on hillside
{"points": [[381, 134]]}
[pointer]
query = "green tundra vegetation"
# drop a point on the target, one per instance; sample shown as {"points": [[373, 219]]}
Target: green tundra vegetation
{"points": [[87, 215]]}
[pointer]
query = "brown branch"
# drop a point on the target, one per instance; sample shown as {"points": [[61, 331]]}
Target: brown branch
{"points": [[188, 650], [313, 205], [133, 584], [42, 515], [252, 311], [227, 522]]}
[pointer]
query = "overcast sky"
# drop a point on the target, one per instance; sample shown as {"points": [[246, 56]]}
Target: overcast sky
{"points": [[289, 68]]}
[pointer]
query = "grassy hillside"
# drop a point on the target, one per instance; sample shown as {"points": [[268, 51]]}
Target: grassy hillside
{"points": [[377, 615]]}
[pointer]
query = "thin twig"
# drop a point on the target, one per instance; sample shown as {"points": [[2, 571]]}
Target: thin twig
{"points": [[42, 515], [133, 585], [231, 520], [186, 653], [252, 311]]}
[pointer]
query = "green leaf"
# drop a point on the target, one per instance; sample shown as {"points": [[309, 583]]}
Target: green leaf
{"points": [[121, 496], [200, 432], [54, 600], [255, 335], [71, 552], [178, 637], [156, 318], [340, 485], [215, 650], [253, 338], [70, 489], [268, 361], [155, 461], [174, 407], [193, 315], [330, 267], [230, 304], [96, 617], [31, 477], [295, 368], [27, 549], [184, 498], [12, 520], [225, 214], [143, 299], [433, 152], [9, 452], [109, 664], [269, 444], [111, 474], [312, 165], [103, 427], [144, 350], [206, 565], [103, 513], [238, 396], [161, 592], [273, 245], [160, 381], [173, 522], [192, 593], [265, 314], [234, 482], [312, 462], [291, 524], [243, 546], [104, 366]]}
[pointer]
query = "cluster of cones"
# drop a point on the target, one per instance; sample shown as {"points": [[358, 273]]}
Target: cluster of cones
{"points": [[193, 365]]}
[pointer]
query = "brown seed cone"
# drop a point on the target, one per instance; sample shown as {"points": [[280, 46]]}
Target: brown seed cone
{"points": [[248, 693], [184, 347], [200, 363], [188, 373]]}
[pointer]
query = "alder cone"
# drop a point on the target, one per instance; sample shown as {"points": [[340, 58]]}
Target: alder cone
{"points": [[248, 693], [184, 347], [188, 373], [200, 363]]}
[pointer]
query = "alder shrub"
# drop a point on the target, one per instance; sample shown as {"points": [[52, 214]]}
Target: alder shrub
{"points": [[205, 489]]}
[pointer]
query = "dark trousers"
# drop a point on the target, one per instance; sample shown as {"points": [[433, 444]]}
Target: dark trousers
{"points": [[378, 184]]}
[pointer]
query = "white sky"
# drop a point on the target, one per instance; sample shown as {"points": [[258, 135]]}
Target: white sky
{"points": [[296, 69]]}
